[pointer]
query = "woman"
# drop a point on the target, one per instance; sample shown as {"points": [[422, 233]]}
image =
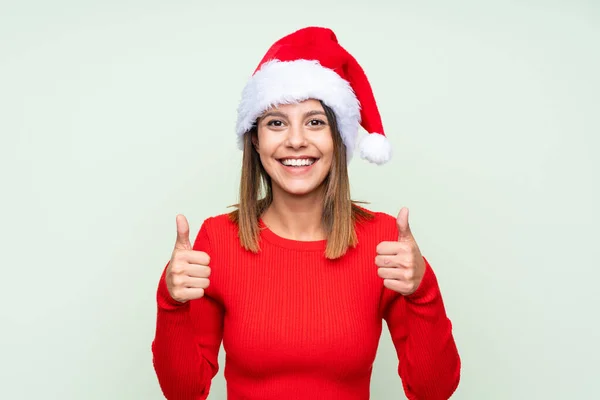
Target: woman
{"points": [[297, 280]]}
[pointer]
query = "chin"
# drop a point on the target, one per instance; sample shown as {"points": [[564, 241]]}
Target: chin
{"points": [[301, 189]]}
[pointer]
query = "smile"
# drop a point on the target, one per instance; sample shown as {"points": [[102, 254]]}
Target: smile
{"points": [[297, 162]]}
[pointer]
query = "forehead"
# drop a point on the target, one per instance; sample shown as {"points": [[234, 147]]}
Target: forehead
{"points": [[297, 107]]}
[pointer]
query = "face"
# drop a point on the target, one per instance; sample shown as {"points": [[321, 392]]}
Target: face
{"points": [[295, 146]]}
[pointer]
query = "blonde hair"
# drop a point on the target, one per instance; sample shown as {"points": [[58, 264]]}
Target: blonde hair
{"points": [[340, 213]]}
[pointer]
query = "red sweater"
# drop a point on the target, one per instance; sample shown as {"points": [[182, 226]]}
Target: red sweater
{"points": [[295, 325]]}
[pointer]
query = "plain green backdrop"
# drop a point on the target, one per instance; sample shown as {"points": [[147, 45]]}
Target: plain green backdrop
{"points": [[117, 115]]}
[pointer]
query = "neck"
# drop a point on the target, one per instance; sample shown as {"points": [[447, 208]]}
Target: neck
{"points": [[296, 217]]}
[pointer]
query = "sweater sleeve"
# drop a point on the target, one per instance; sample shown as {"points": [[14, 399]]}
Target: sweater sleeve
{"points": [[187, 339], [429, 363]]}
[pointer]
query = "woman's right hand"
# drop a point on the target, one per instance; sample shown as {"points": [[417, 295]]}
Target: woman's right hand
{"points": [[188, 271]]}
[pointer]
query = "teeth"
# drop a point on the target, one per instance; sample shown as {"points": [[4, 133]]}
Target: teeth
{"points": [[297, 162]]}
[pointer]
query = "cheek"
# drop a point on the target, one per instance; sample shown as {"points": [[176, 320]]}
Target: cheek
{"points": [[327, 154], [325, 146], [267, 145]]}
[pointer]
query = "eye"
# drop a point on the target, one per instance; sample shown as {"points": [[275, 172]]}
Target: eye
{"points": [[315, 122], [275, 122]]}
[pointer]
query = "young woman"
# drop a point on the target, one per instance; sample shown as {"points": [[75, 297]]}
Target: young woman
{"points": [[297, 281]]}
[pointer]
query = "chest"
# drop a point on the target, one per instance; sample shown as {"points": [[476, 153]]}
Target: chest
{"points": [[297, 310]]}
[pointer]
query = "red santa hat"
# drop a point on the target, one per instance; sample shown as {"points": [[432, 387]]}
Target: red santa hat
{"points": [[311, 64]]}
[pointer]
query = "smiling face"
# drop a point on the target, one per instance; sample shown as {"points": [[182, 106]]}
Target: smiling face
{"points": [[295, 146]]}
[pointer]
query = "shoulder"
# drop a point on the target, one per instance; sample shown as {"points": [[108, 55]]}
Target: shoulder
{"points": [[378, 224], [219, 224], [374, 219], [217, 229]]}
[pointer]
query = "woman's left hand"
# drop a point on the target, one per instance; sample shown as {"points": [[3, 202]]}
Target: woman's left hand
{"points": [[400, 263]]}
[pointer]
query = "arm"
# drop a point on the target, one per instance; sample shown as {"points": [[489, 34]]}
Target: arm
{"points": [[187, 340], [429, 363]]}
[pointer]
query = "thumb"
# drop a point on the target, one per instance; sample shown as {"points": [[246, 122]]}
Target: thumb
{"points": [[183, 234], [404, 232]]}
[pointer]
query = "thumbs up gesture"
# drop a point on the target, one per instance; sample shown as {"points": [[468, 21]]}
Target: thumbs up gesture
{"points": [[400, 263], [188, 271]]}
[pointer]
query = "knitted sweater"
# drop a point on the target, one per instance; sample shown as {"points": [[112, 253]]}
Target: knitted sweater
{"points": [[295, 325]]}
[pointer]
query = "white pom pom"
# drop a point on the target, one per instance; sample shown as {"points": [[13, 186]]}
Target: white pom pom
{"points": [[375, 148]]}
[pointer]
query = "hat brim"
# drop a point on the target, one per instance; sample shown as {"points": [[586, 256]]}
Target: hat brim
{"points": [[287, 82]]}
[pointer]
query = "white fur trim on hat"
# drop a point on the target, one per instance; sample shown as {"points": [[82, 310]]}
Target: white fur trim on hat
{"points": [[285, 82], [375, 148]]}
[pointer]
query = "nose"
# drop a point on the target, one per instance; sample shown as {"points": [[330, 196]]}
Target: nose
{"points": [[296, 137]]}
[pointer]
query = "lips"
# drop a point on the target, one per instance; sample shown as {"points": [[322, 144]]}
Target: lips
{"points": [[298, 162]]}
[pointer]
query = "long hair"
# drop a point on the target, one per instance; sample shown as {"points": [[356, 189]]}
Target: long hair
{"points": [[340, 213]]}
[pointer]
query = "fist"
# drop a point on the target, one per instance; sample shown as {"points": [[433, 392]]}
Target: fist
{"points": [[188, 271], [400, 263]]}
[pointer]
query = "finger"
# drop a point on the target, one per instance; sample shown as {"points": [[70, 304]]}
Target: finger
{"points": [[404, 232], [194, 257], [388, 248], [398, 285], [387, 261], [185, 281], [196, 283], [390, 273], [189, 294], [183, 233], [198, 271], [400, 260]]}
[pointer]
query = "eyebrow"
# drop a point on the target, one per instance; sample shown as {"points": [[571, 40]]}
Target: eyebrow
{"points": [[284, 115]]}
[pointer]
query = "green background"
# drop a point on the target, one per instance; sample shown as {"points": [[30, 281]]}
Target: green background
{"points": [[117, 115]]}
